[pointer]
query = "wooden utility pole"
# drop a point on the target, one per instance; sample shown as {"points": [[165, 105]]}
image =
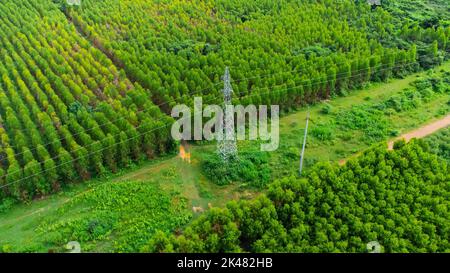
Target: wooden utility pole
{"points": [[304, 145]]}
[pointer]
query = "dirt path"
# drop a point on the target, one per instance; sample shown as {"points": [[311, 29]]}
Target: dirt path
{"points": [[417, 133], [423, 131]]}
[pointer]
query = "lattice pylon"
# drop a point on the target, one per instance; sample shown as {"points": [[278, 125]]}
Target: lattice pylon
{"points": [[226, 144]]}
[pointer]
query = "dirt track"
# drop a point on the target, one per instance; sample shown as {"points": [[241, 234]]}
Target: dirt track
{"points": [[417, 133], [423, 131]]}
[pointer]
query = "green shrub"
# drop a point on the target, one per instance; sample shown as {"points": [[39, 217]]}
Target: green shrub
{"points": [[6, 204], [439, 143], [248, 167], [394, 133], [367, 119], [322, 132], [423, 83], [326, 109]]}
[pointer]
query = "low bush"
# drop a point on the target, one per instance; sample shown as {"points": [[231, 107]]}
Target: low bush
{"points": [[323, 132], [439, 143], [326, 109], [367, 119], [249, 167]]}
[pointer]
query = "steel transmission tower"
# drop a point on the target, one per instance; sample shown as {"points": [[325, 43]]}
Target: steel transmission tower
{"points": [[226, 144]]}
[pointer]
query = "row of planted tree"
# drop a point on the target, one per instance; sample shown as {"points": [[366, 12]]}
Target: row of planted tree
{"points": [[283, 52], [73, 107], [67, 112]]}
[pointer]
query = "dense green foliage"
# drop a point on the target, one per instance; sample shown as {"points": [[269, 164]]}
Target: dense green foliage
{"points": [[367, 118], [85, 91], [420, 18], [439, 143], [399, 198], [125, 215], [250, 167], [74, 108], [280, 52], [427, 13], [66, 112]]}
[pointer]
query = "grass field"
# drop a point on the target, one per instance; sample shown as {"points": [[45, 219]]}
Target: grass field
{"points": [[27, 227]]}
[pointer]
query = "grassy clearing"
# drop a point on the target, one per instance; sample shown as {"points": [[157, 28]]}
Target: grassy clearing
{"points": [[22, 227], [121, 214]]}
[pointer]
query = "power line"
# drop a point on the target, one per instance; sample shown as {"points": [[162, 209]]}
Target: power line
{"points": [[104, 148], [270, 91], [191, 93], [143, 111]]}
